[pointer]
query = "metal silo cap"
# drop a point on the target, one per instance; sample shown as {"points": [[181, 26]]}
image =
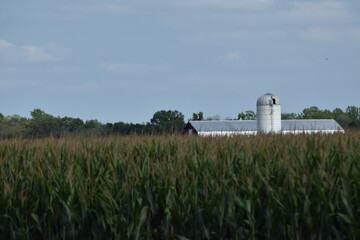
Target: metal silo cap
{"points": [[268, 99]]}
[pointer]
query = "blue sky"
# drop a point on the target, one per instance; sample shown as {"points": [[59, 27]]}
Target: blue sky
{"points": [[124, 60]]}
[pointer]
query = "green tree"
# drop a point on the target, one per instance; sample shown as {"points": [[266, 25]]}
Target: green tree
{"points": [[353, 112], [327, 114], [71, 125], [93, 127], [109, 128], [214, 117], [314, 112], [127, 128], [341, 117], [168, 121], [310, 113], [13, 126], [43, 124], [38, 114], [89, 124], [354, 116], [285, 116], [197, 116], [247, 115], [337, 112]]}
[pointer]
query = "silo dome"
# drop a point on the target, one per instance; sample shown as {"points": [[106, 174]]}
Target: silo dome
{"points": [[268, 99], [268, 113]]}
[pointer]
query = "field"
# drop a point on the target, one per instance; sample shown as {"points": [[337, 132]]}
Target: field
{"points": [[176, 187]]}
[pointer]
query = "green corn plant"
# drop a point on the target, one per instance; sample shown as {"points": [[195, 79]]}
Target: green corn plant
{"points": [[181, 187]]}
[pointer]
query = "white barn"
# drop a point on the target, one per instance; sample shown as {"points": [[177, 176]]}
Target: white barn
{"points": [[268, 121]]}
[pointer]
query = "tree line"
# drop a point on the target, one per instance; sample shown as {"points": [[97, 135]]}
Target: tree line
{"points": [[42, 124], [350, 118]]}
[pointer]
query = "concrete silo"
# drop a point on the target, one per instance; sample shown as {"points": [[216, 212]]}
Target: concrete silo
{"points": [[268, 114]]}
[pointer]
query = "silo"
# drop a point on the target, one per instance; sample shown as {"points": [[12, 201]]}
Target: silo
{"points": [[268, 114]]}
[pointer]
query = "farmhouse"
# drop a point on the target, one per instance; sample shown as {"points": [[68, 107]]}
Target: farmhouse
{"points": [[268, 111]]}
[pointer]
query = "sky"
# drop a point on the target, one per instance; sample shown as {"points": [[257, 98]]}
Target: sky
{"points": [[117, 60]]}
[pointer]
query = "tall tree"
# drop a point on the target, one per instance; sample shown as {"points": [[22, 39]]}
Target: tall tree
{"points": [[198, 116], [168, 121], [247, 115], [43, 124], [341, 117], [71, 125], [314, 112], [354, 116], [13, 126], [285, 116], [353, 112]]}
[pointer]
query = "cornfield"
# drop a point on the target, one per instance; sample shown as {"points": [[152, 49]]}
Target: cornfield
{"points": [[178, 187]]}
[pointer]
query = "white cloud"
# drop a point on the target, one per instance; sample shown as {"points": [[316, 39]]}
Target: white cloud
{"points": [[8, 71], [10, 52], [89, 87], [234, 37], [233, 56], [249, 35], [331, 34], [287, 23], [245, 4], [128, 7], [5, 44], [13, 83], [133, 68], [97, 8], [35, 54], [319, 11]]}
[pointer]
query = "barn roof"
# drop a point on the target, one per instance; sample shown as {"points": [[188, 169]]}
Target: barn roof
{"points": [[224, 125], [310, 124], [251, 125]]}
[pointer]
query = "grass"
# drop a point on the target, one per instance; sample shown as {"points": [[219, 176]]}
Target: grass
{"points": [[176, 187]]}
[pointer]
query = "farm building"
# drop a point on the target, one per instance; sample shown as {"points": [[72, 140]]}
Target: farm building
{"points": [[268, 111]]}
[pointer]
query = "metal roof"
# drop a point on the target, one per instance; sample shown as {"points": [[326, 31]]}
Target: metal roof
{"points": [[250, 125], [310, 124], [267, 99], [226, 125]]}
